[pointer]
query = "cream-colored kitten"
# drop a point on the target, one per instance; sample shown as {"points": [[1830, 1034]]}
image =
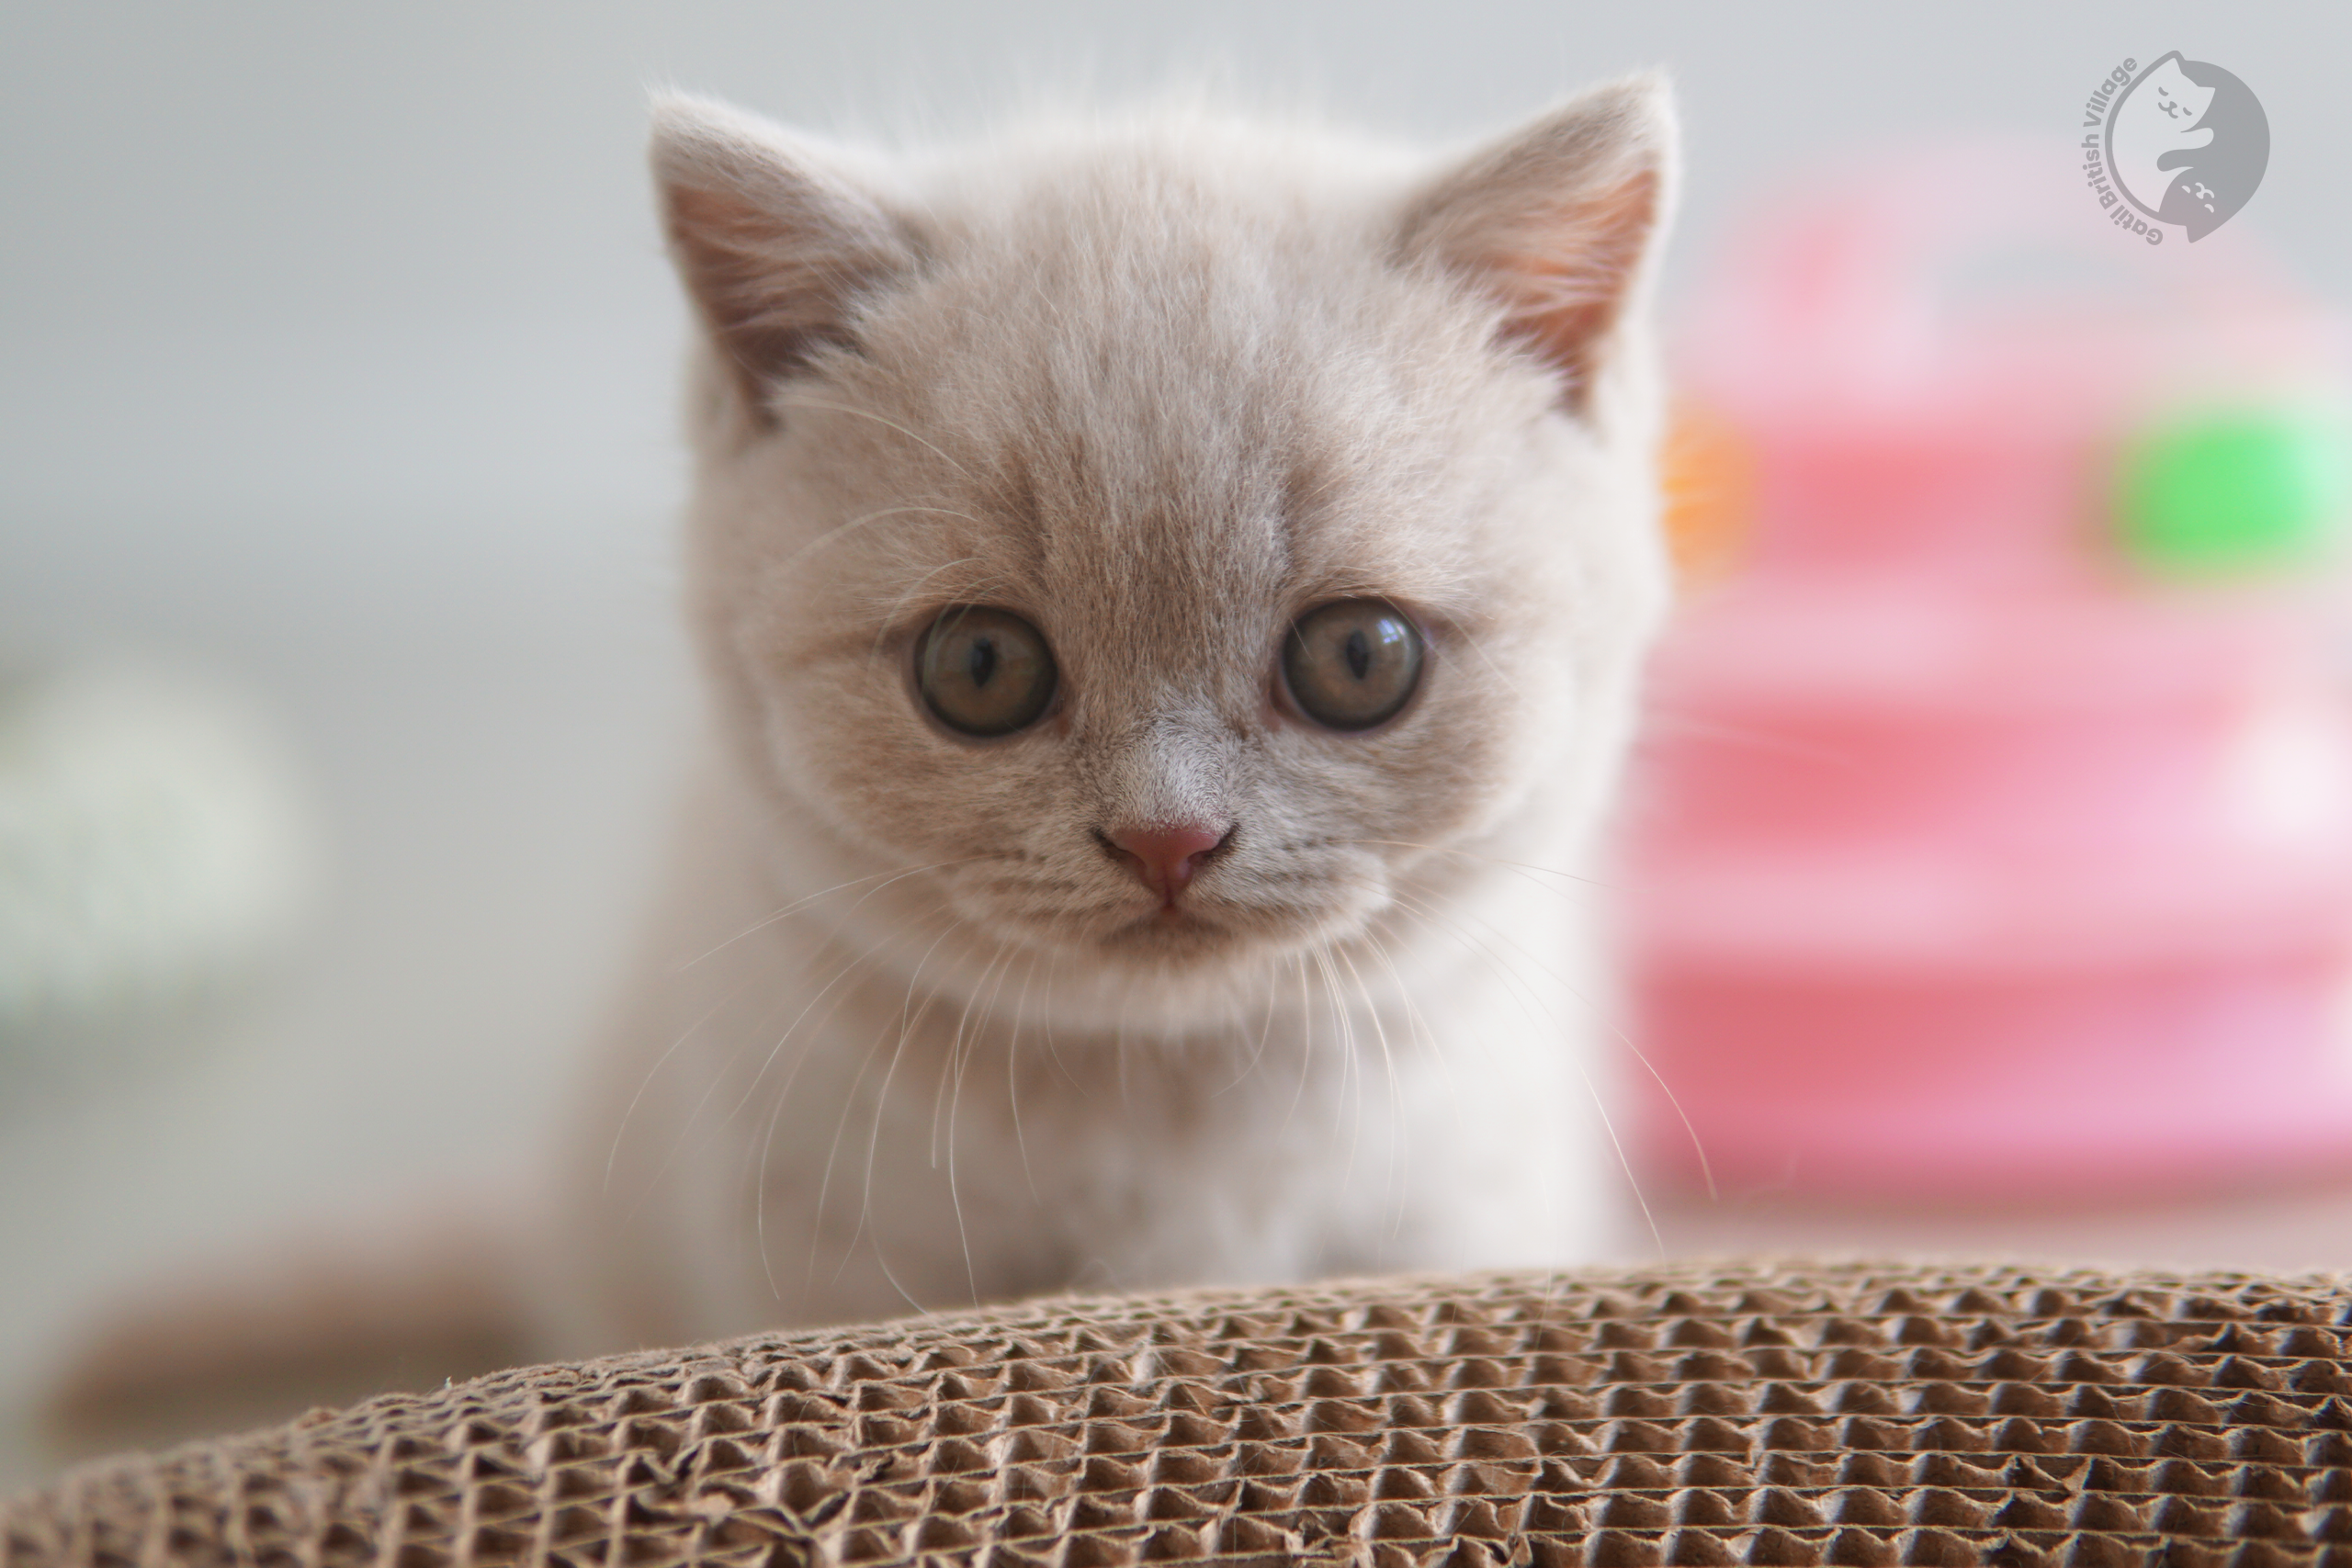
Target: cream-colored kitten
{"points": [[1165, 587]]}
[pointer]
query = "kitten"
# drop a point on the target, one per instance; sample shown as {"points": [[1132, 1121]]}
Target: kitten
{"points": [[1171, 595]]}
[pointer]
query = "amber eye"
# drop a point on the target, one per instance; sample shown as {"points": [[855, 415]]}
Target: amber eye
{"points": [[984, 671], [1352, 664]]}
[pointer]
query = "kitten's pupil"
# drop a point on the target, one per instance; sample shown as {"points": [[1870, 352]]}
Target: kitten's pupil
{"points": [[982, 663], [1359, 655]]}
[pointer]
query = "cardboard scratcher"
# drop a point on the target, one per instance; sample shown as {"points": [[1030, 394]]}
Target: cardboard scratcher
{"points": [[1680, 1414]]}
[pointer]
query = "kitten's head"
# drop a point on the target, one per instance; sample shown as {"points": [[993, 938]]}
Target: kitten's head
{"points": [[1187, 537]]}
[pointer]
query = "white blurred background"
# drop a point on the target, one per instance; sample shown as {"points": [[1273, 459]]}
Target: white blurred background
{"points": [[338, 362]]}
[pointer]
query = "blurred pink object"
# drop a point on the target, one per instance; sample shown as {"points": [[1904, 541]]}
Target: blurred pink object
{"points": [[1973, 857]]}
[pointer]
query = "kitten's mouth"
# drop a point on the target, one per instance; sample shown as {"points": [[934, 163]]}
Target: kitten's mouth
{"points": [[1185, 933], [1202, 927], [1170, 922]]}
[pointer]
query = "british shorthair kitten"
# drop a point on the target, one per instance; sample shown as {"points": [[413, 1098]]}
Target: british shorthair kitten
{"points": [[1172, 595]]}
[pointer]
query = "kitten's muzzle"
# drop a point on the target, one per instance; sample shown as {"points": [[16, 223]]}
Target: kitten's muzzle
{"points": [[1165, 856]]}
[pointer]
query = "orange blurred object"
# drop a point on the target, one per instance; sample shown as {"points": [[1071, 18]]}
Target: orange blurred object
{"points": [[1708, 473]]}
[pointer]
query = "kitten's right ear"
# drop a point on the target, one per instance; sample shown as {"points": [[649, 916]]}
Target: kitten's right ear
{"points": [[1559, 223], [775, 243]]}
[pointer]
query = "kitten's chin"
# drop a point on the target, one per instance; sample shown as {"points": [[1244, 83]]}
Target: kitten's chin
{"points": [[1173, 976], [1201, 945], [1182, 938]]}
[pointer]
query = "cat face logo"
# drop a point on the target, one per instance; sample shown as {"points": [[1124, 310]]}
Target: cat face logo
{"points": [[2186, 143]]}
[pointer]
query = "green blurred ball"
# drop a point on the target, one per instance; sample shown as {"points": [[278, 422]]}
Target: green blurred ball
{"points": [[2225, 494]]}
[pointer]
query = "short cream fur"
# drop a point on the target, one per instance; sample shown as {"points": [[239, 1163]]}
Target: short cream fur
{"points": [[907, 1035]]}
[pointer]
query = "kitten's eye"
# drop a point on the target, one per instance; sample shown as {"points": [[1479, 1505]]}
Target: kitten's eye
{"points": [[1352, 664], [984, 671]]}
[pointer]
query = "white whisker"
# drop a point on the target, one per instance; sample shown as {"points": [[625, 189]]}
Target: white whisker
{"points": [[959, 1055], [888, 618], [1395, 1092], [1306, 1041], [1351, 1066], [1013, 1081], [612, 1154], [951, 1065], [1265, 1030], [1489, 860], [756, 1171], [794, 395], [855, 523], [886, 878], [1618, 1033], [881, 1104], [1575, 1058]]}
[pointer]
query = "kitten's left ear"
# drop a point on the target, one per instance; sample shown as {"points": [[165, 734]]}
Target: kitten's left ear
{"points": [[777, 240], [1558, 221]]}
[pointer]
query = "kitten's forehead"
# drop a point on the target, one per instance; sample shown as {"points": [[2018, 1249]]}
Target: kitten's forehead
{"points": [[1156, 371]]}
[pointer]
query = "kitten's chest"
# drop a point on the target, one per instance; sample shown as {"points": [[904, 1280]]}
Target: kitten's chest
{"points": [[1008, 1163], [932, 1131]]}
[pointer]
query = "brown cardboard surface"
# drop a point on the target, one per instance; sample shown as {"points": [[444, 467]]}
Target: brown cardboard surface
{"points": [[1689, 1413]]}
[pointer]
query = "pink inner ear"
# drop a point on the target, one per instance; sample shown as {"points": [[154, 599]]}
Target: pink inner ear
{"points": [[774, 255], [1567, 287], [767, 307]]}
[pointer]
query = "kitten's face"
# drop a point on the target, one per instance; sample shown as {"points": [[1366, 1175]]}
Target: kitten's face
{"points": [[1159, 403]]}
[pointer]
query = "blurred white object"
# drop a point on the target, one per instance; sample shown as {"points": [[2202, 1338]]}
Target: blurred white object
{"points": [[156, 848]]}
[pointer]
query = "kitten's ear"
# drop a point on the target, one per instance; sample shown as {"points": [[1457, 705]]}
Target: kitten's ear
{"points": [[1558, 221], [775, 241]]}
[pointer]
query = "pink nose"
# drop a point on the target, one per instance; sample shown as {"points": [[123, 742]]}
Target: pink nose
{"points": [[1165, 857]]}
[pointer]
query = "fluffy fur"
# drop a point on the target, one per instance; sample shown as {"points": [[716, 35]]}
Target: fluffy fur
{"points": [[910, 1037]]}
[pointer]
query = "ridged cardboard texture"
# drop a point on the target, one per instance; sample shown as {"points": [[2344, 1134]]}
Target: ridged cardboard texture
{"points": [[1680, 1414]]}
